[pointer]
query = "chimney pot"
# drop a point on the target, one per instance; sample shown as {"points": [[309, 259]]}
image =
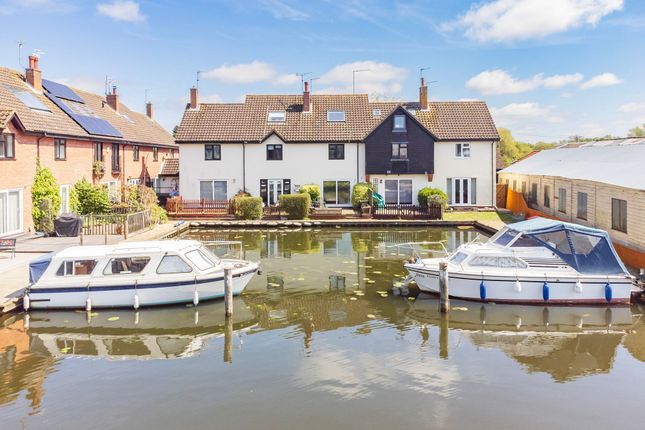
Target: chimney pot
{"points": [[33, 75], [306, 100], [149, 110], [194, 98]]}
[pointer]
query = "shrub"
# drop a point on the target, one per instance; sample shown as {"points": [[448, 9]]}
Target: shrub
{"points": [[248, 207], [313, 190], [158, 214], [361, 193], [295, 205], [44, 188], [92, 199], [432, 196]]}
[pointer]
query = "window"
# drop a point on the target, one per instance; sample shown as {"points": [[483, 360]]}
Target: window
{"points": [[76, 267], [274, 152], [126, 265], [547, 196], [173, 264], [562, 200], [335, 116], [400, 151], [502, 262], [112, 189], [462, 150], [336, 151], [276, 116], [7, 146], [59, 149], [524, 188], [10, 211], [458, 257], [64, 198], [514, 185], [398, 191], [619, 215], [155, 153], [399, 123], [336, 192], [213, 190], [533, 197], [376, 113], [135, 153], [199, 260], [172, 153], [115, 158], [98, 151], [212, 152], [582, 205]]}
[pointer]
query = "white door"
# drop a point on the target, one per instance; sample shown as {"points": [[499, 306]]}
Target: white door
{"points": [[461, 191], [275, 191], [10, 212], [64, 199]]}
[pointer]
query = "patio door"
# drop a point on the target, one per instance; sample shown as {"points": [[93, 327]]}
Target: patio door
{"points": [[10, 212], [272, 189], [398, 191], [275, 191], [462, 192]]}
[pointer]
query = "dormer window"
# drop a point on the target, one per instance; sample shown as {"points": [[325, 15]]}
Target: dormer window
{"points": [[335, 116], [376, 113], [276, 116], [399, 123]]}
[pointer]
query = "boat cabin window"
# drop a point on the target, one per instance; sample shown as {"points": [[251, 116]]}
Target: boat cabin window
{"points": [[76, 267], [173, 264], [126, 265], [505, 237], [503, 262], [458, 257], [199, 259]]}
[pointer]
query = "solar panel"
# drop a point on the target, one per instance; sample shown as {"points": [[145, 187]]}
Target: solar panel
{"points": [[28, 99], [92, 125], [61, 91]]}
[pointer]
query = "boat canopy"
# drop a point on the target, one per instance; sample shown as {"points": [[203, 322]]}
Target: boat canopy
{"points": [[588, 250], [38, 266]]}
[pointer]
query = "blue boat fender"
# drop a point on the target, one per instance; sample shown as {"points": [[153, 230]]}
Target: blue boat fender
{"points": [[545, 291], [608, 292], [482, 291]]}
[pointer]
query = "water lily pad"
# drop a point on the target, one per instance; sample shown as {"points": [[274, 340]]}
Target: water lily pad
{"points": [[371, 316], [458, 308], [65, 350], [301, 279], [353, 298], [93, 314], [411, 298], [381, 292], [371, 282], [359, 293], [384, 295], [114, 319], [376, 272]]}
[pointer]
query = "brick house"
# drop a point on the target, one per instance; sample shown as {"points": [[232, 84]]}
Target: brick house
{"points": [[69, 130]]}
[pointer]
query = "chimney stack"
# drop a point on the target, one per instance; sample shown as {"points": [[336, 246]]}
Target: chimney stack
{"points": [[306, 101], [423, 95], [113, 99], [34, 75], [194, 100], [149, 109]]}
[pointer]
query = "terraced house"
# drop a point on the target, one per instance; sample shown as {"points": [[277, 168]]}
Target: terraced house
{"points": [[74, 133], [272, 144]]}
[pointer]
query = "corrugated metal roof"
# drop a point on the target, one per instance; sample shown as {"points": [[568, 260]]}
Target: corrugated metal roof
{"points": [[617, 162]]}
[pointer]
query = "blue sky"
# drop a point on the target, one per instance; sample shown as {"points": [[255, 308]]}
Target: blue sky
{"points": [[548, 69]]}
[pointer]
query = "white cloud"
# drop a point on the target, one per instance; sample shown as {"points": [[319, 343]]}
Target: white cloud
{"points": [[281, 10], [510, 20], [376, 79], [602, 80], [501, 82], [632, 107], [121, 10], [249, 73], [557, 81], [515, 113]]}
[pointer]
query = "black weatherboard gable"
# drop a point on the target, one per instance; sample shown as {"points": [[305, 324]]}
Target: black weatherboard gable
{"points": [[420, 147]]}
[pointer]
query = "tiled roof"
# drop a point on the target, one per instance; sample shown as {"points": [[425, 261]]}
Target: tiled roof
{"points": [[134, 126], [5, 116], [170, 167], [238, 122]]}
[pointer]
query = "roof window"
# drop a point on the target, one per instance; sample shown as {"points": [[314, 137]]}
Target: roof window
{"points": [[335, 116], [276, 116], [376, 113]]}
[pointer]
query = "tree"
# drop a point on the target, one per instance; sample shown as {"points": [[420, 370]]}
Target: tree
{"points": [[510, 149], [45, 197], [637, 131]]}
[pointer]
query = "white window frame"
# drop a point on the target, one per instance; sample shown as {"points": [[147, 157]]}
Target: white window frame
{"points": [[212, 181], [462, 150], [376, 113], [21, 211], [336, 181], [5, 144], [402, 127], [277, 116], [64, 204], [331, 116], [453, 194], [398, 190]]}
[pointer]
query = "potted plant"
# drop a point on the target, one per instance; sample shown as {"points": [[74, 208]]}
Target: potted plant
{"points": [[98, 168]]}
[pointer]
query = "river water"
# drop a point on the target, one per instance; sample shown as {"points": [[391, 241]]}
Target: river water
{"points": [[319, 341]]}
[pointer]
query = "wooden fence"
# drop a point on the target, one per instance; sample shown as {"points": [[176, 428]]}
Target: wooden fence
{"points": [[188, 208], [407, 212], [116, 223]]}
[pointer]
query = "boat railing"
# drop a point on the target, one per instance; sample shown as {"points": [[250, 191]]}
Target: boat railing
{"points": [[226, 243], [417, 251]]}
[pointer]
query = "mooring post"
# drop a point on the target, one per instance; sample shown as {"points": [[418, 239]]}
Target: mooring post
{"points": [[228, 290], [444, 298], [81, 236], [105, 231]]}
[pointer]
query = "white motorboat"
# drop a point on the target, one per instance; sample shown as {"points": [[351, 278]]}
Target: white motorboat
{"points": [[133, 274], [534, 261]]}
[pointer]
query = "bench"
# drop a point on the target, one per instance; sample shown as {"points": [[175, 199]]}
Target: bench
{"points": [[8, 245], [332, 213]]}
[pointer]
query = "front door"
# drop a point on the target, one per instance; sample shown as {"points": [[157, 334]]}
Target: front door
{"points": [[461, 191], [275, 191]]}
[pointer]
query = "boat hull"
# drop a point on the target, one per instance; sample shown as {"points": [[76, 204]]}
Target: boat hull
{"points": [[503, 289], [149, 294]]}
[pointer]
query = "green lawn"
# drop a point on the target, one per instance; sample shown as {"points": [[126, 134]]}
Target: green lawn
{"points": [[477, 216]]}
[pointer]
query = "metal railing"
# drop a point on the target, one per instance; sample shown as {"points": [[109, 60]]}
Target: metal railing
{"points": [[121, 224]]}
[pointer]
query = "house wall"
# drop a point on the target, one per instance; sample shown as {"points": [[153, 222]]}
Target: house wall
{"points": [[599, 196]]}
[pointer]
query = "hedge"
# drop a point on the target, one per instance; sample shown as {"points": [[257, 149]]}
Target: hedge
{"points": [[360, 193], [248, 207], [432, 196], [295, 205], [313, 190]]}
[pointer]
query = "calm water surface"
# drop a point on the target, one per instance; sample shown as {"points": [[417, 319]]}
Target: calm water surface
{"points": [[304, 352]]}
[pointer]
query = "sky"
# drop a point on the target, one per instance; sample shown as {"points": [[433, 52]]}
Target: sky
{"points": [[548, 69]]}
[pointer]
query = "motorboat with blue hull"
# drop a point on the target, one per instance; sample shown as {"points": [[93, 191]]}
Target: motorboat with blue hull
{"points": [[535, 262], [135, 274]]}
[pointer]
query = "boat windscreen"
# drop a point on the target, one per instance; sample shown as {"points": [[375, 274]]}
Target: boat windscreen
{"points": [[199, 259], [505, 237]]}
